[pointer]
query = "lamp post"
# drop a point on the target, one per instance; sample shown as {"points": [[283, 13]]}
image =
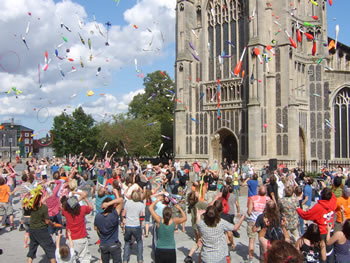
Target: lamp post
{"points": [[10, 141]]}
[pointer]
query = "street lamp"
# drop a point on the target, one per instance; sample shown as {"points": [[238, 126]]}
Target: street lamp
{"points": [[10, 141]]}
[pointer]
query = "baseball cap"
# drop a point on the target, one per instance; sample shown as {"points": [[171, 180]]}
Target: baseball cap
{"points": [[72, 202]]}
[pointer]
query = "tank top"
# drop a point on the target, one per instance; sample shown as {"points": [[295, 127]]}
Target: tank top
{"points": [[311, 254], [166, 238], [342, 253], [259, 203]]}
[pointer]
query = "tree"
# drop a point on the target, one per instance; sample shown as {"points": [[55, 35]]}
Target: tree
{"points": [[157, 105], [74, 133], [139, 138]]}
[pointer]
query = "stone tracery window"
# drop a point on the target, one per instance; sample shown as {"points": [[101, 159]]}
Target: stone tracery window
{"points": [[222, 20], [341, 107]]}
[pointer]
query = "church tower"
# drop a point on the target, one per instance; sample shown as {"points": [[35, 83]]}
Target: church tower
{"points": [[271, 105]]}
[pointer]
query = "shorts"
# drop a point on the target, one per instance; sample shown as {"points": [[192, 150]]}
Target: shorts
{"points": [[250, 232], [6, 209]]}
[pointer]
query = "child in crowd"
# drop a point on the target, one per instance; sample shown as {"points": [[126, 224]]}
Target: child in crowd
{"points": [[64, 253]]}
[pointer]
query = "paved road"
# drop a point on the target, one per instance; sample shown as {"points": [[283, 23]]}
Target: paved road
{"points": [[13, 246]]}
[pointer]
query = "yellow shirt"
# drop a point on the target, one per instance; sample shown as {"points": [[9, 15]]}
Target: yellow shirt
{"points": [[235, 178]]}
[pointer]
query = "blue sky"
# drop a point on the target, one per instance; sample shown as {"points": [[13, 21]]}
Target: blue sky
{"points": [[118, 78]]}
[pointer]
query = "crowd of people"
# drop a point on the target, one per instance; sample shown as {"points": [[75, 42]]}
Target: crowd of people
{"points": [[294, 218]]}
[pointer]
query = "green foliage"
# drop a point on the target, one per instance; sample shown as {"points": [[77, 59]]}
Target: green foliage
{"points": [[157, 104], [134, 133], [74, 133], [313, 174]]}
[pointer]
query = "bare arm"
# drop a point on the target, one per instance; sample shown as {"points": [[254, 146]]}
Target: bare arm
{"points": [[323, 250], [58, 238], [245, 182], [153, 213], [182, 219], [305, 200], [250, 207]]}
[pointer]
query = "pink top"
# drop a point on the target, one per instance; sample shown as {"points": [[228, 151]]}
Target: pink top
{"points": [[53, 202], [107, 164], [259, 203]]}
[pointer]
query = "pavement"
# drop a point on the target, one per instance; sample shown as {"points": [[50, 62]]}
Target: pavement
{"points": [[12, 244]]}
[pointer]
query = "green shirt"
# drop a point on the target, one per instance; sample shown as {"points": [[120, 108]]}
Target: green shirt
{"points": [[37, 218], [201, 206], [166, 238]]}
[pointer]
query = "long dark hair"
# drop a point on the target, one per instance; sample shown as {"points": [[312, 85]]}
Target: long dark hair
{"points": [[313, 234], [346, 228], [73, 211], [211, 216], [225, 192], [272, 213], [167, 214]]}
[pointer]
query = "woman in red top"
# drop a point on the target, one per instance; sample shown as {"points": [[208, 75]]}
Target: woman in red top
{"points": [[75, 218]]}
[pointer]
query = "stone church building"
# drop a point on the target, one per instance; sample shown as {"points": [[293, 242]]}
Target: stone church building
{"points": [[286, 103]]}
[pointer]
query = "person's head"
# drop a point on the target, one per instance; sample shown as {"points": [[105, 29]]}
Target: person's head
{"points": [[288, 191], [273, 180], [129, 180], [85, 176], [272, 213], [346, 228], [310, 181], [346, 192], [228, 180], [337, 181], [110, 208], [167, 214], [24, 177], [73, 185], [56, 175], [262, 190], [225, 191], [136, 196], [230, 189], [72, 206], [298, 191], [284, 252], [313, 234], [219, 206], [211, 216], [2, 180], [255, 176], [326, 194], [101, 192], [64, 252]]}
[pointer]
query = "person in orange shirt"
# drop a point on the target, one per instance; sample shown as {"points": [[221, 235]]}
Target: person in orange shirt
{"points": [[343, 208], [5, 205]]}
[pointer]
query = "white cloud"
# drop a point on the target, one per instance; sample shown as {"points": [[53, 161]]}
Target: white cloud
{"points": [[45, 34]]}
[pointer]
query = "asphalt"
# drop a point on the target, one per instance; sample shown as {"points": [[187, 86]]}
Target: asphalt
{"points": [[12, 244]]}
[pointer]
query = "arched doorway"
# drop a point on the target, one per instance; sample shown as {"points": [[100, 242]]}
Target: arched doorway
{"points": [[224, 145]]}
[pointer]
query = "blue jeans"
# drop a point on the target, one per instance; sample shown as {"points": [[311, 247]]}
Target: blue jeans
{"points": [[301, 226], [111, 251], [56, 219], [135, 232], [236, 191]]}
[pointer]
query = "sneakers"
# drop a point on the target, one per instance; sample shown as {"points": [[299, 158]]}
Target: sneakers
{"points": [[188, 259], [21, 228]]}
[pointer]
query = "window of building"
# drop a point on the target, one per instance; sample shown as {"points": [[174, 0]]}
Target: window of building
{"points": [[26, 149], [341, 108], [26, 141], [26, 134], [222, 18]]}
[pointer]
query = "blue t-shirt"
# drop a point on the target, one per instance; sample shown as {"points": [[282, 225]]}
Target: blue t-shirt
{"points": [[98, 203], [54, 168], [252, 187], [108, 226], [308, 193]]}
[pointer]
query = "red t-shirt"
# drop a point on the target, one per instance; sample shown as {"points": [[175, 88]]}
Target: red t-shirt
{"points": [[76, 224], [110, 181]]}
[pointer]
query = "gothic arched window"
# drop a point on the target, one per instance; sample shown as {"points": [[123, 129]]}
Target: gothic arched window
{"points": [[222, 20], [341, 107]]}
